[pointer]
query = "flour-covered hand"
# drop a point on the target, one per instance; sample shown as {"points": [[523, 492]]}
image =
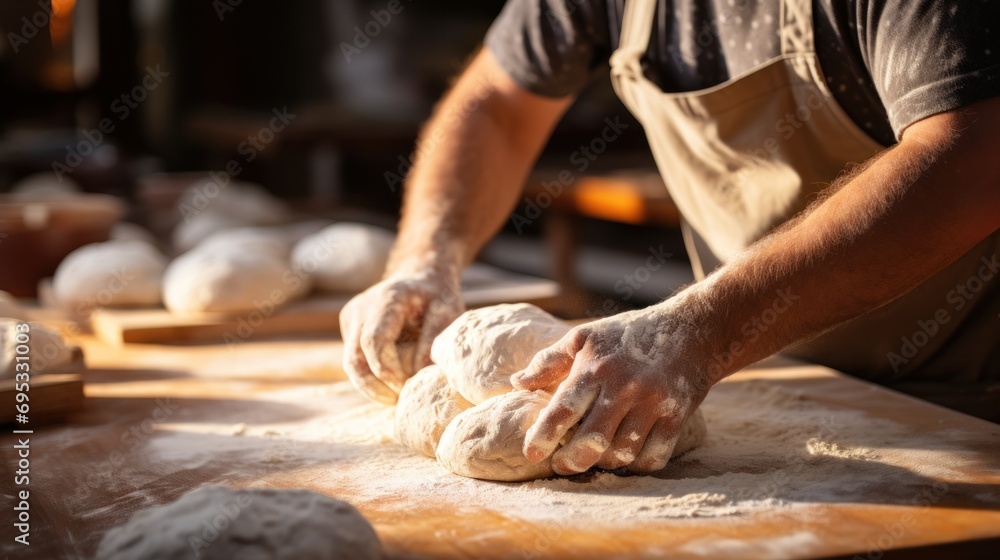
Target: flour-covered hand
{"points": [[629, 383], [376, 322]]}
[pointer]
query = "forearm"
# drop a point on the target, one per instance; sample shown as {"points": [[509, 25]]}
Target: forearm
{"points": [[472, 159], [883, 232]]}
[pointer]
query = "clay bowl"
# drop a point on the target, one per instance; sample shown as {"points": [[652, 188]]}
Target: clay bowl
{"points": [[37, 232]]}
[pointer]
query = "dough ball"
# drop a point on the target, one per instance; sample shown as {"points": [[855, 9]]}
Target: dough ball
{"points": [[483, 347], [486, 440], [295, 232], [344, 257], [127, 231], [692, 434], [10, 307], [426, 405], [188, 234], [224, 281], [207, 208], [250, 239], [47, 349], [110, 274], [46, 185], [217, 523]]}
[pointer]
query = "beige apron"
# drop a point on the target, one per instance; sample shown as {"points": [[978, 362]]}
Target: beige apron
{"points": [[742, 157]]}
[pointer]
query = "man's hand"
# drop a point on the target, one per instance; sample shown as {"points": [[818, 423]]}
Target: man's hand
{"points": [[405, 307], [630, 381]]}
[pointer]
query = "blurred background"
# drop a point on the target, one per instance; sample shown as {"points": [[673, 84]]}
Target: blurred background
{"points": [[138, 98]]}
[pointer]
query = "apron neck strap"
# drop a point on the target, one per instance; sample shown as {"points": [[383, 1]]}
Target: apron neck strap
{"points": [[796, 27], [639, 18]]}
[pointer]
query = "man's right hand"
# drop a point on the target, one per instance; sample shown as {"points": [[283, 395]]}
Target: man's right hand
{"points": [[405, 307]]}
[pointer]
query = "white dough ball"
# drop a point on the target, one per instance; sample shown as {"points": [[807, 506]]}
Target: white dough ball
{"points": [[110, 274], [188, 234], [46, 184], [216, 523], [344, 257], [207, 208], [127, 231], [483, 347], [249, 239], [223, 281], [47, 350]]}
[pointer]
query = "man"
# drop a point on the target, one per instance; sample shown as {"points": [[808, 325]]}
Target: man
{"points": [[752, 110]]}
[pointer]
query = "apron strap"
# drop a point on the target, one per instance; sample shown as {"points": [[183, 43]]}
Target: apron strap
{"points": [[796, 27], [637, 24]]}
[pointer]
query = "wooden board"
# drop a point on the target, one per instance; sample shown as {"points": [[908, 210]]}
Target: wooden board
{"points": [[481, 287], [52, 397], [153, 435]]}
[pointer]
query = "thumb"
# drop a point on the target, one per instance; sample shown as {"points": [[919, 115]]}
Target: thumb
{"points": [[550, 366]]}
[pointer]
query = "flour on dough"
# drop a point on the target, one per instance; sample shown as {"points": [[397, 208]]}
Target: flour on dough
{"points": [[483, 347], [110, 274], [426, 405], [272, 241], [46, 348], [344, 257], [216, 523]]}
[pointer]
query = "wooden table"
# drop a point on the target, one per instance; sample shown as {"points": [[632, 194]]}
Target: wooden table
{"points": [[161, 420]]}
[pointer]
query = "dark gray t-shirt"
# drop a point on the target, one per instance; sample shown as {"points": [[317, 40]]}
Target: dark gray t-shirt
{"points": [[889, 63]]}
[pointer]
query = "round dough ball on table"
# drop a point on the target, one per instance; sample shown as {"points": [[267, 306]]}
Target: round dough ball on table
{"points": [[10, 307], [217, 523], [127, 231], [229, 281], [344, 257], [47, 349], [481, 349], [110, 274], [269, 240], [188, 234], [47, 185], [427, 404]]}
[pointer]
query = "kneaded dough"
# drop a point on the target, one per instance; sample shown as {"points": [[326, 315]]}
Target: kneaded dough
{"points": [[344, 257], [483, 347], [216, 523], [110, 274], [46, 185], [127, 231], [9, 306], [207, 208], [229, 281], [426, 405], [47, 350], [486, 441]]}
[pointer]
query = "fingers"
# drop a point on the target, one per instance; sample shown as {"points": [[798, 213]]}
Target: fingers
{"points": [[592, 439], [437, 318], [566, 408], [659, 446], [378, 342], [628, 440], [356, 366], [552, 365]]}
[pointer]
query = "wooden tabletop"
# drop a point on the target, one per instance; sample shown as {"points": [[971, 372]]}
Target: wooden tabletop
{"points": [[161, 420]]}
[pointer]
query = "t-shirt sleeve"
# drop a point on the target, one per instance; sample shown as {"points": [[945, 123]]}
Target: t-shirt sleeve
{"points": [[551, 47], [930, 56]]}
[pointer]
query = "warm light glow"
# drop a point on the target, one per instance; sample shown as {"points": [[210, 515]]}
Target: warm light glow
{"points": [[61, 24]]}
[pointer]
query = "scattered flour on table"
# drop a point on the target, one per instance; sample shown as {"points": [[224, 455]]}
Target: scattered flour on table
{"points": [[769, 449]]}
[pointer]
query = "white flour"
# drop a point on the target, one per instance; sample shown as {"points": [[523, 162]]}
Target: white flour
{"points": [[769, 449]]}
